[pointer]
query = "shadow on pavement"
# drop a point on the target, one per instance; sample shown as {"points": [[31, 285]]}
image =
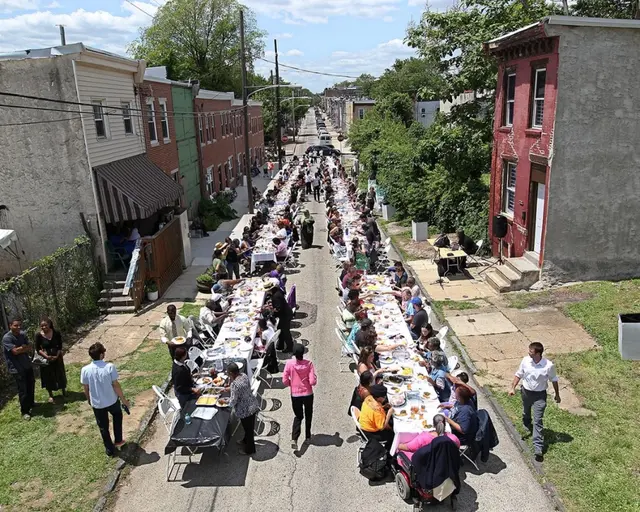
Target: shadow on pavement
{"points": [[137, 456], [553, 437], [320, 440], [494, 465]]}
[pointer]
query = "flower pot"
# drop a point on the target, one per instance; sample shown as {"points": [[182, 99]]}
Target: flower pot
{"points": [[203, 287], [152, 296]]}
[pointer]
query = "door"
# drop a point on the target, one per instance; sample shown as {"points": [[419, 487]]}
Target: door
{"points": [[537, 227]]}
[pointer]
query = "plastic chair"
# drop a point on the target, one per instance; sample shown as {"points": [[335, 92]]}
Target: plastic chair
{"points": [[442, 333], [341, 325], [355, 416], [476, 258], [192, 365], [463, 452], [195, 352], [453, 363], [163, 396]]}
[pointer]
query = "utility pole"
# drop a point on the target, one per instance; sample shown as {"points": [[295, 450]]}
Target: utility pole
{"points": [[278, 123], [293, 114], [63, 39], [245, 112], [275, 124]]}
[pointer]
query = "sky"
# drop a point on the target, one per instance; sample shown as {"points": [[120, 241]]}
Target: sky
{"points": [[345, 37]]}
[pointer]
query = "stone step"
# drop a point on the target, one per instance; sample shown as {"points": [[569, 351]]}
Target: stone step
{"points": [[523, 267], [118, 310], [122, 300], [111, 292], [115, 276], [114, 284], [497, 281], [508, 273], [533, 257]]}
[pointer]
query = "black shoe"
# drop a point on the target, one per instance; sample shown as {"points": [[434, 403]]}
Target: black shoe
{"points": [[539, 457]]}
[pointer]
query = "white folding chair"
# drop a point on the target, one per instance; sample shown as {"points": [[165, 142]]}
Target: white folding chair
{"points": [[211, 332], [442, 333], [169, 415], [192, 365], [355, 416], [475, 257], [339, 311], [463, 452], [429, 312], [341, 325], [195, 352], [272, 341], [163, 396], [355, 372], [290, 260], [453, 363], [343, 365]]}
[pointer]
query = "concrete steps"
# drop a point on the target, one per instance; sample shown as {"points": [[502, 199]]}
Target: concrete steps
{"points": [[111, 298], [516, 274]]}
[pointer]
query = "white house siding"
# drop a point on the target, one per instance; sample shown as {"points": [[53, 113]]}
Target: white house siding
{"points": [[114, 88]]}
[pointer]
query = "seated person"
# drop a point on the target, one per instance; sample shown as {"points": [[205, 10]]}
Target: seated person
{"points": [[432, 348], [350, 313], [173, 326], [183, 384], [346, 268], [263, 335], [281, 249], [462, 379], [224, 285], [464, 421], [365, 363], [212, 313], [438, 377], [425, 438], [376, 415], [415, 289], [426, 332], [282, 231], [405, 303], [400, 275], [420, 318], [361, 391]]}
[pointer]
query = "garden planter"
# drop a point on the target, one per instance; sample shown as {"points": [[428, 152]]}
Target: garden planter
{"points": [[388, 211], [204, 288], [419, 231], [629, 336], [152, 296]]}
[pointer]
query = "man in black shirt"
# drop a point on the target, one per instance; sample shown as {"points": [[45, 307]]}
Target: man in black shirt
{"points": [[420, 318], [284, 312], [16, 348], [183, 385]]}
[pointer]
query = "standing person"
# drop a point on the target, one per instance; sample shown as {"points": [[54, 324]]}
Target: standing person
{"points": [[16, 348], [300, 375], [316, 187], [306, 231], [284, 312], [535, 372], [48, 344], [244, 405], [232, 260], [102, 389], [183, 385], [307, 182], [172, 326]]}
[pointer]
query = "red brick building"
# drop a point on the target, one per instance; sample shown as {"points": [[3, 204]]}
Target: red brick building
{"points": [[158, 126], [221, 139]]}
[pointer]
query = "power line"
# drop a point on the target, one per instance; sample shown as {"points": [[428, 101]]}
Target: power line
{"points": [[309, 70], [42, 122], [141, 10]]}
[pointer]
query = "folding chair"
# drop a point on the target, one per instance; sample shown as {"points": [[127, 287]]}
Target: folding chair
{"points": [[463, 452], [453, 363], [272, 342], [429, 311], [192, 365], [340, 324], [476, 258], [339, 311], [442, 333], [163, 396], [343, 366], [195, 353], [169, 415], [291, 299], [355, 372], [290, 260], [355, 416]]}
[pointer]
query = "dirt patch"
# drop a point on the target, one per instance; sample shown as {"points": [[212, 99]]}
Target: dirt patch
{"points": [[78, 423], [394, 228], [32, 495], [557, 297], [142, 403]]}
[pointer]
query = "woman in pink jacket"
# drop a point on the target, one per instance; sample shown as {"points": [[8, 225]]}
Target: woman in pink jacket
{"points": [[300, 375]]}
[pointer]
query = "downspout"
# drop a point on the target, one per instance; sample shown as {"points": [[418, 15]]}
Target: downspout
{"points": [[94, 185]]}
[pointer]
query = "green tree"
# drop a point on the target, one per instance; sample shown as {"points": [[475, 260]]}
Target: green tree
{"points": [[200, 39], [409, 76], [396, 105], [625, 9]]}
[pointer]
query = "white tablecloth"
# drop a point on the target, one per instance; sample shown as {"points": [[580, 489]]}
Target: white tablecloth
{"points": [[258, 257]]}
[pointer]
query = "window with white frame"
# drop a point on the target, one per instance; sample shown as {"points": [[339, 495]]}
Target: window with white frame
{"points": [[164, 120], [220, 178], [210, 179], [509, 187], [539, 79], [126, 118], [206, 128], [99, 119], [509, 98], [361, 113], [200, 132], [151, 121], [212, 122]]}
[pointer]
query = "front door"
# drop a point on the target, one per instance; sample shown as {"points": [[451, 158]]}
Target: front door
{"points": [[537, 225]]}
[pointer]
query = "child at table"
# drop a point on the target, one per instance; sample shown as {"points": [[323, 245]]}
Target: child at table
{"points": [[448, 408]]}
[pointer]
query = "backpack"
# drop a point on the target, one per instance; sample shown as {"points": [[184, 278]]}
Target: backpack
{"points": [[373, 460]]}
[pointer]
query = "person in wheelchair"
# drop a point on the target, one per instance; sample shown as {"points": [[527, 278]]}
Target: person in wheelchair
{"points": [[425, 438]]}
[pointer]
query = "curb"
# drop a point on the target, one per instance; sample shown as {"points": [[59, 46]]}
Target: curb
{"points": [[515, 436], [113, 478]]}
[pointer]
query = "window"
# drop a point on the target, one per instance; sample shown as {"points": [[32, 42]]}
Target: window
{"points": [[509, 187], [164, 120], [361, 113], [126, 118], [509, 99], [200, 132], [220, 182], [206, 128], [540, 77], [151, 121], [210, 180], [213, 126], [99, 120]]}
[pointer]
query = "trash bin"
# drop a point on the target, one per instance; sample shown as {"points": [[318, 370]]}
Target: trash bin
{"points": [[629, 336], [419, 231]]}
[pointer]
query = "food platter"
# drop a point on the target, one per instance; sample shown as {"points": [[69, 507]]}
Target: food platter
{"points": [[179, 340], [207, 400]]}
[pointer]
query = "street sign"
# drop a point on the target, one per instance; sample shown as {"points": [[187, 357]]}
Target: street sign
{"points": [[340, 138], [285, 138]]}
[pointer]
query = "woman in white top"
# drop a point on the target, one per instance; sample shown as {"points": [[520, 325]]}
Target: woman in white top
{"points": [[264, 333]]}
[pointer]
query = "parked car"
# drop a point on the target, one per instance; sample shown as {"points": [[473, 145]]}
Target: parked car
{"points": [[324, 139], [317, 147], [327, 151]]}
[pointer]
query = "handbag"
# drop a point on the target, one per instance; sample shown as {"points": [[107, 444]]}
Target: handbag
{"points": [[38, 360]]}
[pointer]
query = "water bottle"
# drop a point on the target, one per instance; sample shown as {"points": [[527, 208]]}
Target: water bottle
{"points": [[187, 419]]}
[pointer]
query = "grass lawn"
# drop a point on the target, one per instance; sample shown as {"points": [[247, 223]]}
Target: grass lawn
{"points": [[594, 462], [459, 305], [190, 308], [56, 461]]}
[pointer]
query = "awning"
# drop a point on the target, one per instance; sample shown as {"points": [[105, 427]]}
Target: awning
{"points": [[7, 237], [134, 188]]}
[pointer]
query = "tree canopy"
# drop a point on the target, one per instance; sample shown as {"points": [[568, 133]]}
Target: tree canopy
{"points": [[201, 39]]}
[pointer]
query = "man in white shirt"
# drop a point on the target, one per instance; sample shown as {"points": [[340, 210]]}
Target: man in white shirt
{"points": [[212, 313], [534, 373], [172, 326], [104, 394]]}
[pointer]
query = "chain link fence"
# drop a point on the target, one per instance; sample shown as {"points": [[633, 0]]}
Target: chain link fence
{"points": [[64, 286]]}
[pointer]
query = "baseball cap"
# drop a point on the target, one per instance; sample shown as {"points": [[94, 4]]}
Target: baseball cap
{"points": [[416, 301]]}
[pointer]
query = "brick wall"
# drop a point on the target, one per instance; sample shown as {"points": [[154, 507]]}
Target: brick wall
{"points": [[163, 152]]}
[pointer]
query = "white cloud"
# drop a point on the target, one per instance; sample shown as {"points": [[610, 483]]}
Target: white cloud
{"points": [[53, 5], [284, 35], [100, 29], [294, 12], [17, 5], [294, 53], [387, 19]]}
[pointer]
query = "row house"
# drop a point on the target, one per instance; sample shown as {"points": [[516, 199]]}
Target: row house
{"points": [[220, 128], [565, 169]]}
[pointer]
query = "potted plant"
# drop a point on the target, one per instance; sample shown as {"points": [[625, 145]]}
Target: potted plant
{"points": [[205, 281], [152, 290]]}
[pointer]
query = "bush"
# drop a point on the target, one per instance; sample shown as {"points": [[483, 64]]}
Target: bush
{"points": [[215, 212], [206, 279]]}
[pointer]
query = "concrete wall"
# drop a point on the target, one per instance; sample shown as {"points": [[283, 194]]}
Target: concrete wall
{"points": [[593, 216], [44, 171], [425, 112]]}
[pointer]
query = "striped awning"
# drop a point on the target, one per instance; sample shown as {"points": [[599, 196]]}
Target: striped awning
{"points": [[134, 188]]}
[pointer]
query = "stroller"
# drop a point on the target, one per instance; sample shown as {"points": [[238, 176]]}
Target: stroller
{"points": [[428, 464]]}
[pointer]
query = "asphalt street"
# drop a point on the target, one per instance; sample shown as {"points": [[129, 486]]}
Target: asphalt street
{"points": [[322, 476]]}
